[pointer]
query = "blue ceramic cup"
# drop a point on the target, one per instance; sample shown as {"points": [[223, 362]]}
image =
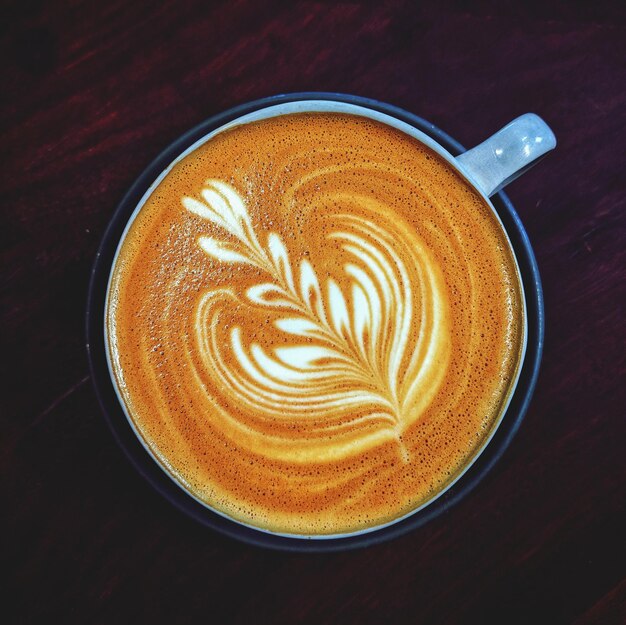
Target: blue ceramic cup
{"points": [[487, 167]]}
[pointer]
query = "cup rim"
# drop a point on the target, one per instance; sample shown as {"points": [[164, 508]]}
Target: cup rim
{"points": [[271, 112], [145, 463]]}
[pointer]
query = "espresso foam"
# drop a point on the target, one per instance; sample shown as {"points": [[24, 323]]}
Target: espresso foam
{"points": [[314, 323]]}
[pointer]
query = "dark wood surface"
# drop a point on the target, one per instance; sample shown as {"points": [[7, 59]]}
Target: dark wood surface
{"points": [[91, 92]]}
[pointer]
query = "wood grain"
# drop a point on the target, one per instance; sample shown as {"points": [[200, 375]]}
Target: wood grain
{"points": [[91, 92]]}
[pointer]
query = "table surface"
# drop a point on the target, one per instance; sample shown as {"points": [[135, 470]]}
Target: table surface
{"points": [[91, 92]]}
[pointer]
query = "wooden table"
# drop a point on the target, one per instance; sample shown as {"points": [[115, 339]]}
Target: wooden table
{"points": [[90, 94]]}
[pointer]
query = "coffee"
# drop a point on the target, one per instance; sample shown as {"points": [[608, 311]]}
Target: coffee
{"points": [[314, 323]]}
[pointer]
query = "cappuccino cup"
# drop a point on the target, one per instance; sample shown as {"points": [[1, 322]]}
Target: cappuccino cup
{"points": [[310, 326]]}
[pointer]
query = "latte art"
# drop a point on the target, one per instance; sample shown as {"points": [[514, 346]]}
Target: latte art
{"points": [[355, 360], [314, 323]]}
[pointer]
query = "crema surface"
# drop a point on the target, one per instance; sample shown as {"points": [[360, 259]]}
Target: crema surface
{"points": [[314, 323]]}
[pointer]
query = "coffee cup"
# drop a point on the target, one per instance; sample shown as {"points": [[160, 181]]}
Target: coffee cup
{"points": [[481, 172]]}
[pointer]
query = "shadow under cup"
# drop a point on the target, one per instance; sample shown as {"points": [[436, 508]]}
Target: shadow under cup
{"points": [[165, 485]]}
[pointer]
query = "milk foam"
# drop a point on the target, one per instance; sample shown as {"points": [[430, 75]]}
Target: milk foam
{"points": [[314, 323]]}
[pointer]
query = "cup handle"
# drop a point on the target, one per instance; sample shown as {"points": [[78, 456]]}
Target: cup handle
{"points": [[508, 153]]}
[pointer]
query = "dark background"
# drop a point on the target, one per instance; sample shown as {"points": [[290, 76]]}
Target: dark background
{"points": [[91, 92]]}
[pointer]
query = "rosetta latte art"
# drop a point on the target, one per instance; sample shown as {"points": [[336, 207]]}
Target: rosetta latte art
{"points": [[350, 352]]}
